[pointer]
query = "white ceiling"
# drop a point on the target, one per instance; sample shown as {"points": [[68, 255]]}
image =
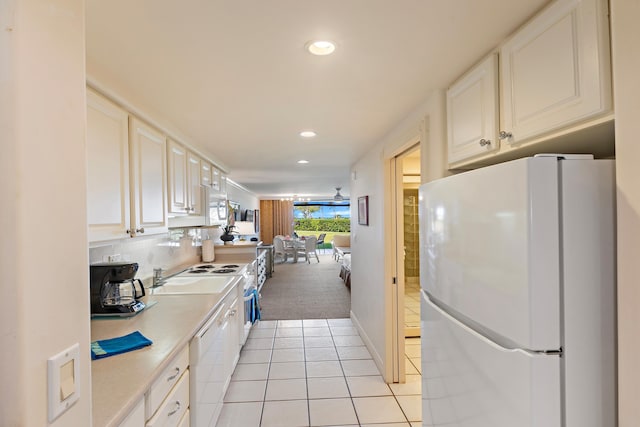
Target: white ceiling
{"points": [[233, 78]]}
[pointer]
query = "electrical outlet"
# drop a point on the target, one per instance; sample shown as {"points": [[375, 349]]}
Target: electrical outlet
{"points": [[113, 258]]}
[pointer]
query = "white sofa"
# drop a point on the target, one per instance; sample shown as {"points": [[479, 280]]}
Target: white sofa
{"points": [[341, 245]]}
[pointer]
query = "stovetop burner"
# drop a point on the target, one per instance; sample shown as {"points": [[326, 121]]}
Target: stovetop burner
{"points": [[223, 270], [216, 269]]}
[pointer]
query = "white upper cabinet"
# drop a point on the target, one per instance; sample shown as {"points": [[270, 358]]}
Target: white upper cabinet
{"points": [[177, 183], [184, 181], [194, 188], [108, 213], [472, 112], [215, 180], [555, 71], [147, 154], [206, 171]]}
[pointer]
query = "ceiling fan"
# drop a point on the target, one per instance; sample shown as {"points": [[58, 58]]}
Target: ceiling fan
{"points": [[338, 197]]}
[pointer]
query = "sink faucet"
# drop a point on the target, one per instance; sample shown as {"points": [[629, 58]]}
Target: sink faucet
{"points": [[158, 280]]}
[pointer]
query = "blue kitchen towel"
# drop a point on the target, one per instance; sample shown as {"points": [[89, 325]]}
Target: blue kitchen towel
{"points": [[256, 307], [252, 307], [113, 346]]}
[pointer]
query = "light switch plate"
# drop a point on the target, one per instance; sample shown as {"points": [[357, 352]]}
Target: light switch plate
{"points": [[63, 373]]}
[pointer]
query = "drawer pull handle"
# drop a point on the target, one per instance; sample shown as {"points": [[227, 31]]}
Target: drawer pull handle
{"points": [[175, 410], [505, 134], [172, 377]]}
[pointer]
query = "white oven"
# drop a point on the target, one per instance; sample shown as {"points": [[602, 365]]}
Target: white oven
{"points": [[246, 271]]}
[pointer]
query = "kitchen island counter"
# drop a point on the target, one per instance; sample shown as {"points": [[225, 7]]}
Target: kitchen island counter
{"points": [[119, 382]]}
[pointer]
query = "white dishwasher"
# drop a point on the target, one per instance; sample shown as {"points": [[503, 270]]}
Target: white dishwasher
{"points": [[209, 364]]}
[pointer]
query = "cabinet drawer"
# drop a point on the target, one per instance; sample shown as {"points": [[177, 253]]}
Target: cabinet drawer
{"points": [[172, 410], [166, 381]]}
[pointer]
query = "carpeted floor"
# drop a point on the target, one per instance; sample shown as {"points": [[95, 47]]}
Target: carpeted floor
{"points": [[305, 291]]}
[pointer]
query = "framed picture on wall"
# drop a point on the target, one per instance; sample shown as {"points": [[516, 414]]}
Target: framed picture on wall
{"points": [[363, 210], [256, 220], [248, 215]]}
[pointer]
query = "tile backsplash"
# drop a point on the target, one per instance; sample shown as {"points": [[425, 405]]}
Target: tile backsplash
{"points": [[168, 251]]}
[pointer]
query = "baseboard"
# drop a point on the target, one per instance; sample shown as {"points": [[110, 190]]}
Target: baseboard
{"points": [[377, 359]]}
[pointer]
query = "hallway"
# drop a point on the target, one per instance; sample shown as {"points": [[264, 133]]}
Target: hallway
{"points": [[317, 372]]}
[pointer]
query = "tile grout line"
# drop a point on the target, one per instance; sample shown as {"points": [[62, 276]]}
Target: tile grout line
{"points": [[344, 376]]}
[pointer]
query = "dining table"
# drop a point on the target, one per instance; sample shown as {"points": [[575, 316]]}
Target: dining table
{"points": [[295, 243]]}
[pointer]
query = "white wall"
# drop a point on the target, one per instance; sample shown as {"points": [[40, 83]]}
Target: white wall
{"points": [[625, 15], [239, 194], [371, 285], [43, 251]]}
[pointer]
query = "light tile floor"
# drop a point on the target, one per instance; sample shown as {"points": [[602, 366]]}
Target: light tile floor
{"points": [[308, 373]]}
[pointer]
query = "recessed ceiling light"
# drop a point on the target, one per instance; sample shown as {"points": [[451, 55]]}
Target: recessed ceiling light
{"points": [[320, 47], [307, 134], [302, 162]]}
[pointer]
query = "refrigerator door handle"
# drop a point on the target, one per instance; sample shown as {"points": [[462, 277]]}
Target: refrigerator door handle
{"points": [[530, 353]]}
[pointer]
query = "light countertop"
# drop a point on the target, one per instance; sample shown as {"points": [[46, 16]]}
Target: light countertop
{"points": [[119, 382], [238, 244]]}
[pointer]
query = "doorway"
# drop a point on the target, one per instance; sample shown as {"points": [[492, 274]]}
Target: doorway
{"points": [[411, 246], [406, 305]]}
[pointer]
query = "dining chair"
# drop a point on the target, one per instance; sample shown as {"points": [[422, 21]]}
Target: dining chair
{"points": [[310, 246], [320, 241], [280, 250]]}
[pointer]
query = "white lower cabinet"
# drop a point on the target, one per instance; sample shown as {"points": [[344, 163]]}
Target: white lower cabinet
{"points": [[136, 416], [173, 408], [186, 419], [167, 399]]}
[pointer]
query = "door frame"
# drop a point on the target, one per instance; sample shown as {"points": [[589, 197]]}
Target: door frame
{"points": [[394, 253]]}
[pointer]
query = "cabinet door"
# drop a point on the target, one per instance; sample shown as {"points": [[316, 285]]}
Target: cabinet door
{"points": [[107, 169], [148, 179], [194, 189], [472, 112], [215, 180], [206, 170], [235, 331], [555, 70], [223, 185], [177, 183]]}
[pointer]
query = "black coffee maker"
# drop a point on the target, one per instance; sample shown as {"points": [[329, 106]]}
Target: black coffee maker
{"points": [[113, 289]]}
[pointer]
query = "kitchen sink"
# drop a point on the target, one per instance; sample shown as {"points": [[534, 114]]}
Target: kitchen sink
{"points": [[181, 285]]}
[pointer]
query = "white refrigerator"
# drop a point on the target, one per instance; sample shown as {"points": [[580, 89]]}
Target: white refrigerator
{"points": [[518, 295]]}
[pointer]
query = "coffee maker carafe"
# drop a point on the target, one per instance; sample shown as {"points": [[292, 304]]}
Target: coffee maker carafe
{"points": [[113, 289]]}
